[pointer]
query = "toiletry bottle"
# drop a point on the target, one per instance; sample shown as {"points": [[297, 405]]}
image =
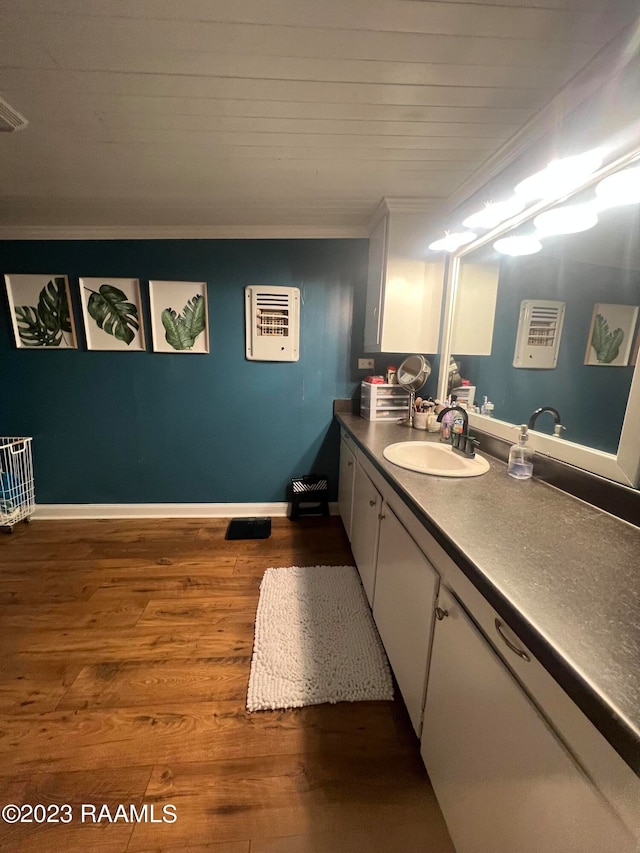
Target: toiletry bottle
{"points": [[445, 426], [521, 457]]}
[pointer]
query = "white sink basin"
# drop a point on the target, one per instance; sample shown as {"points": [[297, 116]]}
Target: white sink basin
{"points": [[427, 457]]}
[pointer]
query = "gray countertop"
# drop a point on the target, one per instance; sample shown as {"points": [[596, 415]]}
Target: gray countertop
{"points": [[565, 574]]}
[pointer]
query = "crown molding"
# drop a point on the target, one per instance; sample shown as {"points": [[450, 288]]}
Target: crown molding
{"points": [[401, 204], [181, 232]]}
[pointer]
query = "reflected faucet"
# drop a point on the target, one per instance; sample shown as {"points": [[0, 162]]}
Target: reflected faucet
{"points": [[557, 430]]}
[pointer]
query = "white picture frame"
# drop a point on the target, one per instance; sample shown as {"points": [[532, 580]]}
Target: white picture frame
{"points": [[179, 316], [112, 314], [611, 335], [41, 311]]}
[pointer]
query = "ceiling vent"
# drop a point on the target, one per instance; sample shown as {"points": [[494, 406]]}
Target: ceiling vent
{"points": [[272, 323], [539, 331], [10, 120]]}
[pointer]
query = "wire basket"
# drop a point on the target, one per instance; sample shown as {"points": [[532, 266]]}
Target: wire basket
{"points": [[17, 495]]}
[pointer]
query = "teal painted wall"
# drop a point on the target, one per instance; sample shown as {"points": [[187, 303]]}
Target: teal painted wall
{"points": [[142, 427], [591, 399]]}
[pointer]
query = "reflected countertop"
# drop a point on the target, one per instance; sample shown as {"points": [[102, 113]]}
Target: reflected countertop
{"points": [[564, 574]]}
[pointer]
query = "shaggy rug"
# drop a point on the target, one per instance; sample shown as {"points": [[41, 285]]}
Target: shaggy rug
{"points": [[315, 641]]}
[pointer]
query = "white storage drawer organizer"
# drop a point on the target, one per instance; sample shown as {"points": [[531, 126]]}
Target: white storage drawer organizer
{"points": [[383, 402], [17, 500]]}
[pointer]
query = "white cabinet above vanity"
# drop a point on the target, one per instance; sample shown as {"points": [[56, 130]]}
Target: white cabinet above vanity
{"points": [[404, 289]]}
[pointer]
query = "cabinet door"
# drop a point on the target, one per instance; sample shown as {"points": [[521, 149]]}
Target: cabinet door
{"points": [[403, 607], [503, 779], [345, 485], [375, 286], [367, 505]]}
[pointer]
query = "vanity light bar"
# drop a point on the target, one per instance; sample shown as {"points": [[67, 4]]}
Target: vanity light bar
{"points": [[556, 181]]}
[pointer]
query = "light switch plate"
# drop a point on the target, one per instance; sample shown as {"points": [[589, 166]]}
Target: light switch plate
{"points": [[365, 364]]}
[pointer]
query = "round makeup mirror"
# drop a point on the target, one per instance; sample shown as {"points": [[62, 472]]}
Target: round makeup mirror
{"points": [[412, 374]]}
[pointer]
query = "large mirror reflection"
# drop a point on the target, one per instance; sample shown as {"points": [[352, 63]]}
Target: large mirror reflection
{"points": [[556, 327]]}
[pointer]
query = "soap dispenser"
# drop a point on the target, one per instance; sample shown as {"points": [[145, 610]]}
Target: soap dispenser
{"points": [[521, 457]]}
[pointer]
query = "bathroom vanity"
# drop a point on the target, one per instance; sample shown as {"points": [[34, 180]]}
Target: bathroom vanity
{"points": [[511, 618]]}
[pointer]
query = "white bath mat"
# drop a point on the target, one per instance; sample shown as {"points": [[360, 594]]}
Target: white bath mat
{"points": [[315, 641]]}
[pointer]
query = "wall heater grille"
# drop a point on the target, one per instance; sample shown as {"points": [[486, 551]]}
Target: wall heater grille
{"points": [[272, 323], [539, 331]]}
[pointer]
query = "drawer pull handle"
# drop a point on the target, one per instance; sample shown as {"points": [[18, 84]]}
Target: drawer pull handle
{"points": [[441, 614], [372, 503], [520, 652], [349, 464]]}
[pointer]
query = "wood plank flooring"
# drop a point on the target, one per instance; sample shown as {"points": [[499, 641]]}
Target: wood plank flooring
{"points": [[125, 649]]}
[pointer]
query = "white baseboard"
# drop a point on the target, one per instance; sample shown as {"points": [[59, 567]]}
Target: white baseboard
{"points": [[187, 510]]}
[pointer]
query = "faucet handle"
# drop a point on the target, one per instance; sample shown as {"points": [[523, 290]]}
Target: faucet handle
{"points": [[470, 445], [557, 430]]}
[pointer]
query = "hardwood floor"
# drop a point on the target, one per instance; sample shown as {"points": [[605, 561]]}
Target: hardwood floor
{"points": [[124, 663]]}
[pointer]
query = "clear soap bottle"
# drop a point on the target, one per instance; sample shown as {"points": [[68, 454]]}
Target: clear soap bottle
{"points": [[521, 457]]}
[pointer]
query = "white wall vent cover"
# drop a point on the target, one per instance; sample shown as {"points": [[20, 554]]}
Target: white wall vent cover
{"points": [[272, 323], [539, 331]]}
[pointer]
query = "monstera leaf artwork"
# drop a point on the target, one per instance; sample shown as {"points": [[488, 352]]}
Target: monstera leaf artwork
{"points": [[112, 313], [179, 316], [605, 343], [611, 334], [181, 330], [45, 321]]}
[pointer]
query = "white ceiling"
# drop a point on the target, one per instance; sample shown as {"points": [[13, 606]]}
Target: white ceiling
{"points": [[286, 114]]}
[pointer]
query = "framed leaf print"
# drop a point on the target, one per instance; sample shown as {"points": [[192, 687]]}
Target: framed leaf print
{"points": [[41, 311], [179, 317], [611, 334], [112, 313]]}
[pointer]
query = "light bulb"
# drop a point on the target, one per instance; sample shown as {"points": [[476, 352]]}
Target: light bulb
{"points": [[494, 213], [569, 219], [560, 176], [619, 189], [451, 242], [516, 246]]}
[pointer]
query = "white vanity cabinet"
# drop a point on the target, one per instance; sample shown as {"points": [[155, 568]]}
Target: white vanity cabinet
{"points": [[347, 472], [504, 780], [403, 609], [365, 522]]}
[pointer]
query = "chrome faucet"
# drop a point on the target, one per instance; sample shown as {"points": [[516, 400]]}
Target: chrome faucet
{"points": [[557, 430], [462, 442]]}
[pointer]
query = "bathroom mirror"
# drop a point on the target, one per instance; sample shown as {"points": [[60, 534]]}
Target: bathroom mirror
{"points": [[558, 327]]}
